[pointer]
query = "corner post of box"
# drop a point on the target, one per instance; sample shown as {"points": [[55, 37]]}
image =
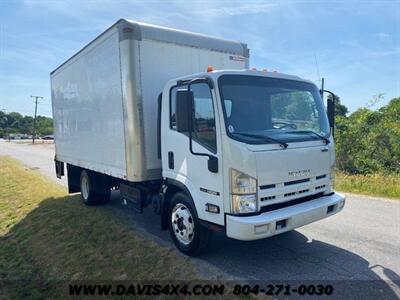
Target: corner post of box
{"points": [[246, 54], [129, 36], [129, 30]]}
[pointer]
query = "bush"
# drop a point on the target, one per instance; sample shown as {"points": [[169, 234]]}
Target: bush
{"points": [[368, 141]]}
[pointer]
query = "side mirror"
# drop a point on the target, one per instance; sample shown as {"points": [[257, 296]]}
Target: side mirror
{"points": [[330, 107], [331, 113], [184, 109]]}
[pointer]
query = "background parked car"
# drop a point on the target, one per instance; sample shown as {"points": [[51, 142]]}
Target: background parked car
{"points": [[48, 137]]}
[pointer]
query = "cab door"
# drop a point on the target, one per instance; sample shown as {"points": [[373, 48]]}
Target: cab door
{"points": [[192, 170]]}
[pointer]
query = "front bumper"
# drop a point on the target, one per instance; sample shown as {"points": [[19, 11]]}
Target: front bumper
{"points": [[284, 219]]}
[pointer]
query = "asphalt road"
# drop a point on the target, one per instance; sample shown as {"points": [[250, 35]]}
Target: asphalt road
{"points": [[359, 247]]}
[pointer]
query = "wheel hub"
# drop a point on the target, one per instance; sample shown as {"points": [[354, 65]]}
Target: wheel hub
{"points": [[182, 223]]}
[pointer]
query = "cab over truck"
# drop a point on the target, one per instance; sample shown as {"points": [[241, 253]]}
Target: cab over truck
{"points": [[220, 148]]}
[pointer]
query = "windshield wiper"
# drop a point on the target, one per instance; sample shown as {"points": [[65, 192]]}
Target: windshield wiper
{"points": [[264, 137], [327, 141]]}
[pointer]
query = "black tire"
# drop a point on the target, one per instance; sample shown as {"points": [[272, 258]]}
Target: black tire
{"points": [[96, 191], [201, 235]]}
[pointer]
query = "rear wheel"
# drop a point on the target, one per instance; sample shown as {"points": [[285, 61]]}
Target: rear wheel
{"points": [[93, 190], [189, 236]]}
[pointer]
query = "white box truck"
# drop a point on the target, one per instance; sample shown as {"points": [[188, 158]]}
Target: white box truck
{"points": [[176, 120]]}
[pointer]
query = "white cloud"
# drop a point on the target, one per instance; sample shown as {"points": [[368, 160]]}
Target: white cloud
{"points": [[382, 35], [234, 9]]}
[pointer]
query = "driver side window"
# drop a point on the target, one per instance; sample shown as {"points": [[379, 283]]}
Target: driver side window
{"points": [[204, 118], [204, 130]]}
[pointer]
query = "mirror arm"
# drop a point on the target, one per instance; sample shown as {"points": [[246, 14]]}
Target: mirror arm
{"points": [[210, 157], [333, 104], [206, 80], [332, 94]]}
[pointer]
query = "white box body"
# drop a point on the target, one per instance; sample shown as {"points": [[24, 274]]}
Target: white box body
{"points": [[104, 98]]}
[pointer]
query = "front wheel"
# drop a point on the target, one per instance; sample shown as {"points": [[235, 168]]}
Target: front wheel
{"points": [[189, 236]]}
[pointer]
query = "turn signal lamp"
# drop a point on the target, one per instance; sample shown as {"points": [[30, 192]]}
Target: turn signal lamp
{"points": [[210, 68]]}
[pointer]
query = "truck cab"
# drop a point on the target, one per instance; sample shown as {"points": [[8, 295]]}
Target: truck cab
{"points": [[252, 152]]}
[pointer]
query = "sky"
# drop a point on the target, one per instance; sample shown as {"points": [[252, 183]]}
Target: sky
{"points": [[354, 45]]}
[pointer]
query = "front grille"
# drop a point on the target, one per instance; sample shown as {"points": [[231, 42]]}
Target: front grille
{"points": [[267, 198], [295, 193], [296, 181], [280, 192], [290, 203], [267, 186]]}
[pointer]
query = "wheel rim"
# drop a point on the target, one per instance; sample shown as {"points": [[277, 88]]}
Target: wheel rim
{"points": [[182, 223], [85, 187]]}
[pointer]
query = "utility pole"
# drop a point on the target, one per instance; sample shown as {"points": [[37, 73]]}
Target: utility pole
{"points": [[34, 119]]}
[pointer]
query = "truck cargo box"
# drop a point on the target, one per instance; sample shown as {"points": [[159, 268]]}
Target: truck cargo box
{"points": [[104, 98]]}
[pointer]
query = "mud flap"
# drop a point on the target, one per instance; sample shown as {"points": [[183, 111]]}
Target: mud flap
{"points": [[59, 168], [133, 197]]}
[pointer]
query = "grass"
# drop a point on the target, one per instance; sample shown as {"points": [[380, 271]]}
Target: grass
{"points": [[47, 235], [373, 185]]}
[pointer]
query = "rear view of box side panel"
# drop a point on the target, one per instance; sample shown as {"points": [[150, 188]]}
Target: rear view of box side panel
{"points": [[88, 110]]}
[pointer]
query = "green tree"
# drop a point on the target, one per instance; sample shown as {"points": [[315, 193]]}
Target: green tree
{"points": [[3, 123], [16, 123], [44, 125], [368, 141], [340, 109]]}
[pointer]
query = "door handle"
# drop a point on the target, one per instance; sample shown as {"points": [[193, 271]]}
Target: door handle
{"points": [[171, 160]]}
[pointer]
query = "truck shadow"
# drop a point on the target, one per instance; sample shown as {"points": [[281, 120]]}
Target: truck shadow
{"points": [[288, 257]]}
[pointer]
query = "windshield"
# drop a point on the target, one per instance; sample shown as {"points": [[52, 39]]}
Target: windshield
{"points": [[284, 110]]}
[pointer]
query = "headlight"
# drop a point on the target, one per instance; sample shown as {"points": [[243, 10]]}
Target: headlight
{"points": [[242, 183], [243, 193]]}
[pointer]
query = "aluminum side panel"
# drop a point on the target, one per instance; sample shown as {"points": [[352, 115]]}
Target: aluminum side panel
{"points": [[87, 109], [161, 62]]}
